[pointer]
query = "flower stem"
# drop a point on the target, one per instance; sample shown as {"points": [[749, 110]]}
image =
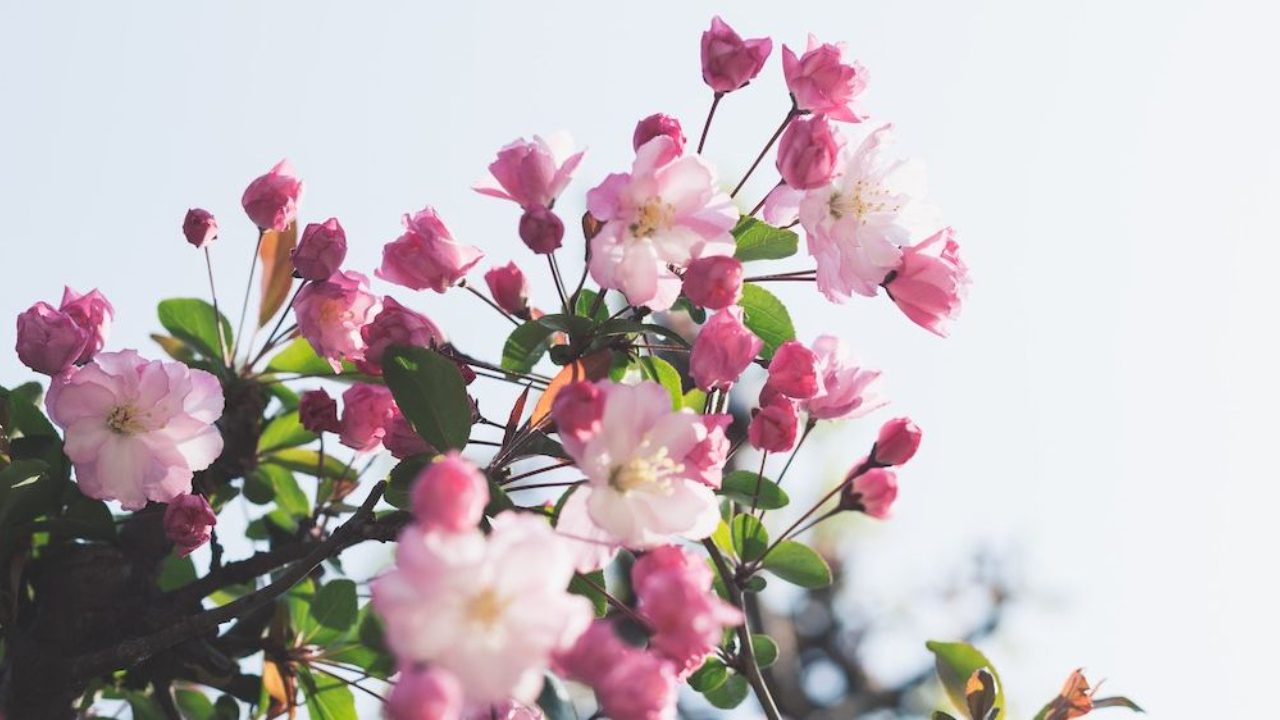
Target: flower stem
{"points": [[751, 667], [765, 199], [792, 114], [248, 287], [463, 284], [217, 316], [706, 126]]}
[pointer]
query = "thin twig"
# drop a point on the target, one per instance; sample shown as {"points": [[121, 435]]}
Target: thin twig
{"points": [[792, 114], [747, 650], [706, 126], [463, 284], [539, 471], [248, 288], [217, 316]]}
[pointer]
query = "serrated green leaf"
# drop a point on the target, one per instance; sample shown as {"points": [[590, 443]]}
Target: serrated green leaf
{"points": [[430, 391], [758, 240], [956, 661], [660, 371], [740, 486], [798, 564], [525, 346], [766, 316], [749, 537], [285, 431], [192, 321], [729, 694]]}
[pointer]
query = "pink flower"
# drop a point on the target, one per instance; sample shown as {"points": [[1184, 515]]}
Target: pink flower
{"points": [[505, 711], [578, 411], [932, 282], [899, 438], [395, 324], [331, 313], [135, 429], [773, 428], [793, 371], [822, 83], [188, 522], [271, 201], [541, 230], [401, 440], [591, 657], [809, 153], [676, 600], [656, 125], [426, 255], [668, 211], [92, 312], [707, 459], [49, 341], [714, 282], [431, 694], [200, 227], [450, 495], [728, 61], [871, 492], [854, 227], [532, 173], [318, 412], [509, 288], [366, 412], [848, 389], [640, 687], [321, 250], [722, 350], [640, 490], [491, 609]]}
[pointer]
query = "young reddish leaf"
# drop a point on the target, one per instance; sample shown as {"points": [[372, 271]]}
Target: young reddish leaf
{"points": [[277, 270], [513, 420]]}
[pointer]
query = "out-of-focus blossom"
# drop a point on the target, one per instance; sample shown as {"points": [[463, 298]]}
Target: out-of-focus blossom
{"points": [[659, 124], [430, 694], [49, 341], [708, 457], [532, 173], [714, 282], [809, 153], [872, 492], [426, 255], [541, 230], [578, 411], [188, 522], [271, 201], [331, 314], [401, 440], [93, 312], [505, 711], [668, 211], [640, 687], [136, 429], [898, 441], [491, 609], [676, 600], [932, 282], [318, 412], [509, 288], [199, 227], [321, 250], [848, 390], [395, 324], [722, 350], [595, 652], [367, 410], [450, 494], [775, 426], [793, 371], [728, 61], [823, 83]]}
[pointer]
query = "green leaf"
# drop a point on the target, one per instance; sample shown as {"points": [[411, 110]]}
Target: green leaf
{"points": [[333, 612], [767, 317], [226, 708], [723, 537], [659, 370], [1122, 702], [766, 650], [730, 694], [759, 240], [525, 346], [710, 676], [288, 495], [285, 431], [299, 357], [755, 584], [257, 485], [431, 393], [555, 702], [308, 462], [956, 661], [400, 481], [328, 698], [740, 486], [579, 586], [749, 537], [798, 564], [587, 300], [25, 417], [176, 571], [195, 705], [695, 400], [145, 707], [191, 321]]}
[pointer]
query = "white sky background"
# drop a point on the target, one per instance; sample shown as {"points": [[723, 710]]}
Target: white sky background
{"points": [[1103, 412]]}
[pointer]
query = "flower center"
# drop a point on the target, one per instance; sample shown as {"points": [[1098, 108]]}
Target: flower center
{"points": [[645, 471], [332, 312], [654, 215], [486, 608], [863, 200], [126, 420]]}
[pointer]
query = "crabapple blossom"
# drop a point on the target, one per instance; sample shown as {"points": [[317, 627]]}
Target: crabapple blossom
{"points": [[401, 440], [658, 124], [897, 443], [93, 312], [532, 173], [809, 153], [188, 522], [588, 660], [668, 211], [774, 427], [676, 600], [641, 686], [331, 314], [450, 494], [199, 227], [366, 412], [321, 250], [395, 324], [728, 61], [271, 201], [491, 610], [509, 288], [722, 350], [793, 371], [318, 412], [931, 283], [707, 459], [578, 411], [872, 492], [136, 429], [714, 282], [425, 694], [49, 341], [848, 390], [426, 255], [821, 82]]}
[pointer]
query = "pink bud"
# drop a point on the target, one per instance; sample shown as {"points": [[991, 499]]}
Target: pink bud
{"points": [[321, 250], [271, 201], [932, 282], [49, 341], [707, 459], [541, 229], [509, 288], [366, 411], [402, 440], [426, 255], [450, 494], [794, 371], [395, 324], [640, 686], [872, 492], [674, 596], [898, 441], [592, 654], [94, 314], [728, 61], [822, 83], [809, 153], [318, 412], [723, 349], [577, 410], [658, 124], [425, 694], [188, 522], [714, 282], [200, 227], [774, 427]]}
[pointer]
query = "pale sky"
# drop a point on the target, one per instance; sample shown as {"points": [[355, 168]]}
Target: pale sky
{"points": [[1103, 414]]}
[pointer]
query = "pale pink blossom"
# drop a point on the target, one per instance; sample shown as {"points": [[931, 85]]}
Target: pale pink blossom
{"points": [[401, 440], [492, 610], [318, 412], [331, 313], [93, 312], [855, 226], [793, 371], [49, 341], [271, 201], [728, 61], [658, 124], [897, 443], [199, 227], [595, 652], [450, 494], [321, 250], [809, 153], [425, 694], [932, 282], [578, 410], [188, 522], [821, 81], [532, 173], [723, 349], [707, 459], [714, 282], [641, 686], [873, 492], [395, 324], [849, 390], [367, 410], [676, 600], [426, 255], [509, 288], [137, 429], [668, 211]]}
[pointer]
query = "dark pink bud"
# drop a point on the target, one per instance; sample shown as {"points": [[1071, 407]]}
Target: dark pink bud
{"points": [[450, 494], [49, 341], [188, 522], [728, 61], [321, 250], [809, 153], [541, 229], [658, 124], [318, 412], [794, 371], [395, 324], [509, 288], [714, 282], [898, 441], [94, 314], [402, 440], [723, 350], [774, 427], [200, 227], [425, 694], [871, 492], [271, 201]]}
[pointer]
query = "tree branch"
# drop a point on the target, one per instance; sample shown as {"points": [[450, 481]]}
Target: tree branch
{"points": [[751, 667]]}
